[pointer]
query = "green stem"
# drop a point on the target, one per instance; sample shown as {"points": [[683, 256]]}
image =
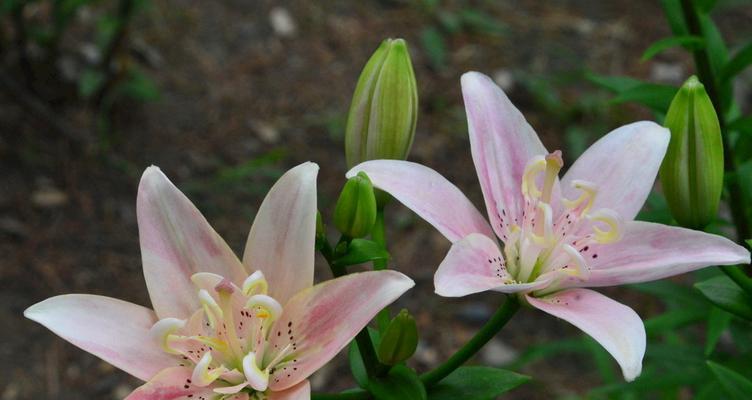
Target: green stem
{"points": [[363, 339], [466, 352], [705, 73], [379, 236], [737, 275]]}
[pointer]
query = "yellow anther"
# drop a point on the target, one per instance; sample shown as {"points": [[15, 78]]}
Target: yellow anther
{"points": [[534, 167], [258, 378], [554, 162], [587, 196], [576, 266], [203, 375], [266, 307], [163, 329], [612, 220], [211, 308], [255, 284]]}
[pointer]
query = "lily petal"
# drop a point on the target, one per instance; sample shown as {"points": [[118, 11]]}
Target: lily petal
{"points": [[612, 324], [475, 264], [177, 242], [113, 330], [623, 164], [649, 251], [318, 322], [175, 384], [428, 194], [301, 391], [282, 238], [502, 142]]}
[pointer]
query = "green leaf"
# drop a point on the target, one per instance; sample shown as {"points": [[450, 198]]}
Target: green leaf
{"points": [[706, 5], [672, 293], [718, 321], [138, 87], [361, 251], [742, 124], [749, 242], [736, 386], [671, 320], [727, 295], [655, 96], [741, 60], [616, 84], [476, 383], [90, 82], [715, 46], [402, 383], [673, 11], [433, 44], [357, 367], [482, 22], [688, 42]]}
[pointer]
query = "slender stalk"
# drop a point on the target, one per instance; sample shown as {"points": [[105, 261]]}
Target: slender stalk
{"points": [[735, 196], [379, 236], [705, 72], [466, 352], [363, 339], [738, 276]]}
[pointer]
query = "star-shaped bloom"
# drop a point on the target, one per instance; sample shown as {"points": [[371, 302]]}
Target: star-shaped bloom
{"points": [[557, 236], [224, 329]]}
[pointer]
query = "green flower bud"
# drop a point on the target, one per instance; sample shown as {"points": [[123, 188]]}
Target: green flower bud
{"points": [[692, 171], [384, 108], [355, 212], [400, 339]]}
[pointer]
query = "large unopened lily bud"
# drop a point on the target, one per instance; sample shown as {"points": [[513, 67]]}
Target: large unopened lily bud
{"points": [[692, 171], [384, 108], [355, 212], [400, 339]]}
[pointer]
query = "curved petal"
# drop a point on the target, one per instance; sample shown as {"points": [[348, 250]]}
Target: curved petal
{"points": [[502, 143], [175, 384], [301, 391], [177, 242], [113, 330], [615, 326], [474, 264], [428, 194], [318, 322], [282, 238], [623, 164], [649, 251]]}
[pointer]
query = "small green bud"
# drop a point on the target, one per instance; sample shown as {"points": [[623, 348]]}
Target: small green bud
{"points": [[384, 109], [355, 212], [400, 339], [692, 171]]}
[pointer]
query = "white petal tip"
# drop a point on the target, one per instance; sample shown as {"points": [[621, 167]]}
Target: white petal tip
{"points": [[631, 373]]}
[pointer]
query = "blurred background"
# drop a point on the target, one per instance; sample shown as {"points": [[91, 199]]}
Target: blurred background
{"points": [[226, 95]]}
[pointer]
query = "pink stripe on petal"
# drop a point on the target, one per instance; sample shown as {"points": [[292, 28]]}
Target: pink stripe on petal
{"points": [[502, 143], [428, 194], [475, 264], [649, 251], [623, 164], [113, 330], [615, 326], [282, 238], [318, 322], [301, 391], [177, 242]]}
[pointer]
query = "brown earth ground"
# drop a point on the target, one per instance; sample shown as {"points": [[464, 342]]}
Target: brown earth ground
{"points": [[233, 89]]}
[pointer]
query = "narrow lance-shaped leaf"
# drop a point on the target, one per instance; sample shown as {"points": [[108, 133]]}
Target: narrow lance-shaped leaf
{"points": [[727, 295]]}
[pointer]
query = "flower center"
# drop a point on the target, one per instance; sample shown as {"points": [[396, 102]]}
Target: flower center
{"points": [[227, 341], [555, 236]]}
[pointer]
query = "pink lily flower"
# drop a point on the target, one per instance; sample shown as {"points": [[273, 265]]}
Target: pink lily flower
{"points": [[557, 236], [218, 331]]}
